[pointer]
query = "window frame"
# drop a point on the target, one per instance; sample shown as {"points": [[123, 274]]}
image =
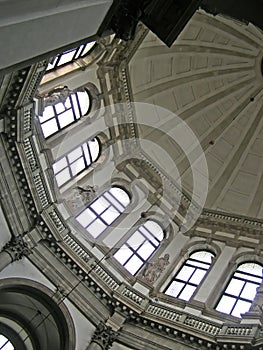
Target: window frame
{"points": [[187, 263], [238, 298], [77, 55], [70, 163], [98, 216], [75, 118], [130, 235]]}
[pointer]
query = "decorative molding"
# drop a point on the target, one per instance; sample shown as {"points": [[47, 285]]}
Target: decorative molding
{"points": [[104, 336], [17, 248]]}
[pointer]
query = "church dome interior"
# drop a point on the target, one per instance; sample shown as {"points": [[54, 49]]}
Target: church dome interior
{"points": [[131, 180]]}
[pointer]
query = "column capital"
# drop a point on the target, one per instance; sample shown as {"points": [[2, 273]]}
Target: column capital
{"points": [[17, 248], [104, 336]]}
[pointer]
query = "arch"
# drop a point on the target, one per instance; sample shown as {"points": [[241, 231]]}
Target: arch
{"points": [[30, 307], [76, 161], [9, 339], [104, 210], [190, 275], [241, 289], [140, 246], [62, 112]]}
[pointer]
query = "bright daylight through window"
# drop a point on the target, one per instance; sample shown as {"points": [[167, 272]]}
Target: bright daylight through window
{"points": [[70, 55], [76, 161], [190, 275], [140, 246], [104, 211], [61, 115], [241, 289], [5, 343]]}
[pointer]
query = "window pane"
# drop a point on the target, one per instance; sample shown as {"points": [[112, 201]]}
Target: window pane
{"points": [[47, 114], [59, 165], [252, 268], [134, 264], [66, 118], [86, 153], [3, 340], [114, 202], [174, 289], [68, 103], [148, 235], [63, 177], [203, 256], [66, 57], [88, 48], [79, 51], [250, 291], [155, 229], [123, 254], [49, 127], [235, 287], [120, 195], [59, 107], [187, 292], [248, 277], [100, 205], [86, 217], [75, 106], [96, 228], [198, 264], [146, 250], [110, 215], [8, 346], [136, 240], [5, 344], [77, 166], [240, 308], [84, 101], [52, 65], [77, 153], [185, 273], [226, 304], [94, 149], [197, 276]]}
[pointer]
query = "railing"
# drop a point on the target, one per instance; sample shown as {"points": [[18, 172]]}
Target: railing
{"points": [[163, 313]]}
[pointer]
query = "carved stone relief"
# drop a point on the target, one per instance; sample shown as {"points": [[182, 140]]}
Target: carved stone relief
{"points": [[154, 269]]}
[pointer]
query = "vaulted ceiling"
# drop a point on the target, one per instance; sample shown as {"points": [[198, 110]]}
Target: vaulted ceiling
{"points": [[211, 78]]}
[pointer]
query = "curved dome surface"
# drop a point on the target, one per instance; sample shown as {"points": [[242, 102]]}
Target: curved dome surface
{"points": [[212, 79]]}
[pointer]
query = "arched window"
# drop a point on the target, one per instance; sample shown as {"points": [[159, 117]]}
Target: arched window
{"points": [[70, 55], [102, 212], [241, 289], [140, 246], [185, 282], [76, 161], [60, 115], [5, 343]]}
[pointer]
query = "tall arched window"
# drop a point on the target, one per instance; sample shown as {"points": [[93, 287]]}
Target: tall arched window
{"points": [[102, 212], [194, 269], [60, 115], [76, 161], [241, 289], [70, 55], [140, 246], [5, 343]]}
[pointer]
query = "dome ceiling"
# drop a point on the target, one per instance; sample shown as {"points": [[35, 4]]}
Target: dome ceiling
{"points": [[211, 78]]}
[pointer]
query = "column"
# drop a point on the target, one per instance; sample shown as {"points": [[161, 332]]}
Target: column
{"points": [[14, 250], [102, 338]]}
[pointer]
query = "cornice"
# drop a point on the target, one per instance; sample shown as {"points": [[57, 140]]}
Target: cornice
{"points": [[54, 232]]}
